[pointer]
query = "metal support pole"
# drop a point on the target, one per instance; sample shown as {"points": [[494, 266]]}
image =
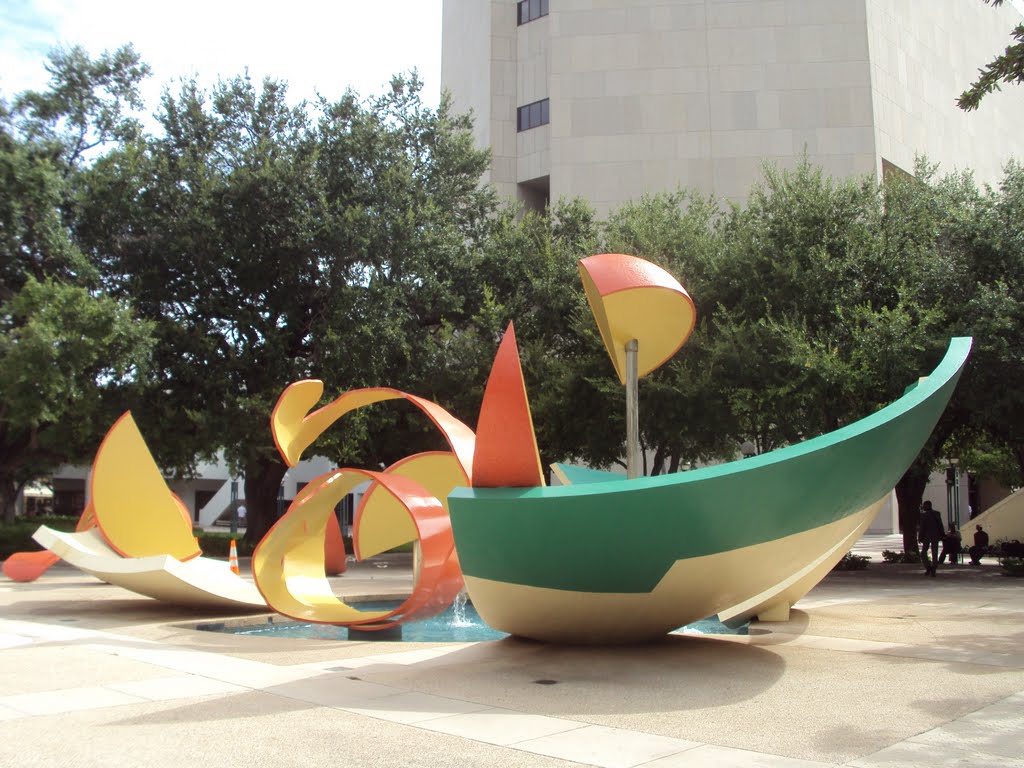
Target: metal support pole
{"points": [[632, 411], [234, 506]]}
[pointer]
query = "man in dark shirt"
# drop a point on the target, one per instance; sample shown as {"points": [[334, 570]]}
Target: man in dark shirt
{"points": [[980, 545], [929, 532]]}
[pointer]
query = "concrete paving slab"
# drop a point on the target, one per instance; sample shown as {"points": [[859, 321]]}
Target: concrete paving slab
{"points": [[502, 727], [606, 747], [411, 708], [177, 687], [333, 690], [708, 756], [8, 640], [254, 729], [988, 736], [67, 700], [910, 754], [881, 667], [41, 668]]}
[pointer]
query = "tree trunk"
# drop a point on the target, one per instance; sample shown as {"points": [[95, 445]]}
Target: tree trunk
{"points": [[909, 492], [262, 480], [8, 500]]}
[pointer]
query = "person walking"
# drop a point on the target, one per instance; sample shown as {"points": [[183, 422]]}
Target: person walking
{"points": [[929, 533]]}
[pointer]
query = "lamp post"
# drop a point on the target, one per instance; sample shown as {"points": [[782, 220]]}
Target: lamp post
{"points": [[953, 492]]}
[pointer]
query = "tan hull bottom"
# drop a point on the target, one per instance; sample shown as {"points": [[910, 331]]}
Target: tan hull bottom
{"points": [[737, 584]]}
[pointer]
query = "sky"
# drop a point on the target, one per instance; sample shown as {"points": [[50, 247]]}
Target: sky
{"points": [[316, 45]]}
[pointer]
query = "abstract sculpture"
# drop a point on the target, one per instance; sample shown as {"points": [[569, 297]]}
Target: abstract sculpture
{"points": [[599, 559], [644, 316], [745, 538], [406, 502], [136, 534]]}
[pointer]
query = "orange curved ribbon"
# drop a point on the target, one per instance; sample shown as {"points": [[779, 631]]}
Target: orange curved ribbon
{"points": [[295, 428], [404, 503], [288, 564]]}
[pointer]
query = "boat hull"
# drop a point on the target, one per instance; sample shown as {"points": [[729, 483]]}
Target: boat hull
{"points": [[627, 560]]}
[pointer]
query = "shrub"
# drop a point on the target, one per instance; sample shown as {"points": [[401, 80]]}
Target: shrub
{"points": [[851, 562], [890, 556], [1012, 566], [17, 537], [218, 544]]}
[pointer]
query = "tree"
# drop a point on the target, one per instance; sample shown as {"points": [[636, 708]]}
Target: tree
{"points": [[822, 308], [1007, 68], [271, 243], [993, 312], [88, 104], [63, 354], [65, 348], [525, 271]]}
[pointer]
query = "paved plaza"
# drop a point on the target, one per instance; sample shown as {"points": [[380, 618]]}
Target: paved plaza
{"points": [[877, 668]]}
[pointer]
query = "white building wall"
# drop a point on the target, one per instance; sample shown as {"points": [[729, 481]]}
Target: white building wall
{"points": [[923, 56], [649, 95]]}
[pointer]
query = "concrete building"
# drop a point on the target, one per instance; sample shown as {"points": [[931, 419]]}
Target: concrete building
{"points": [[612, 99]]}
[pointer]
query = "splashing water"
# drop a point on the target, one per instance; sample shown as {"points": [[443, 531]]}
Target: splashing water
{"points": [[459, 618]]}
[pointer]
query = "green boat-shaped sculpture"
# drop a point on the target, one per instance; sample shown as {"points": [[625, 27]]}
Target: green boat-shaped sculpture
{"points": [[630, 560]]}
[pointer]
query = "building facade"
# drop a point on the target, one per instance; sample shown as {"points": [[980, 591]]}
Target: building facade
{"points": [[612, 99]]}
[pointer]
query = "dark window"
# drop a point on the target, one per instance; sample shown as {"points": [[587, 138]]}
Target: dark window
{"points": [[532, 115], [528, 10]]}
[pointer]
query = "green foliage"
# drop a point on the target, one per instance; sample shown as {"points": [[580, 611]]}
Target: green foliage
{"points": [[17, 536], [65, 347], [218, 544], [889, 556], [1006, 68], [852, 562], [88, 102], [1012, 566], [273, 242]]}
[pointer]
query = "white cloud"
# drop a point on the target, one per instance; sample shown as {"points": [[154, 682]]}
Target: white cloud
{"points": [[313, 44]]}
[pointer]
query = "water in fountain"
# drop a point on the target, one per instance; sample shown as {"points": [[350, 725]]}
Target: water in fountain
{"points": [[459, 617], [459, 624]]}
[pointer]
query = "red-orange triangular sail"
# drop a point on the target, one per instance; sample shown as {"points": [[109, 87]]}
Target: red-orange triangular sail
{"points": [[506, 447], [335, 557]]}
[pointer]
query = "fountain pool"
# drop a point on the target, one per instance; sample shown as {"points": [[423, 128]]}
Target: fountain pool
{"points": [[459, 624]]}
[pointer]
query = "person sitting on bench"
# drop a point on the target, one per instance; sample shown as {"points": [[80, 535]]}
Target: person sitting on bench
{"points": [[980, 546], [950, 545]]}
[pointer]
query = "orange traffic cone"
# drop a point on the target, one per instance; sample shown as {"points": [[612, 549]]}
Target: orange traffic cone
{"points": [[233, 559]]}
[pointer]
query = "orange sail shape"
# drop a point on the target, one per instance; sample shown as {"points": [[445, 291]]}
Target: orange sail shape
{"points": [[29, 566], [135, 510], [506, 446], [634, 299]]}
